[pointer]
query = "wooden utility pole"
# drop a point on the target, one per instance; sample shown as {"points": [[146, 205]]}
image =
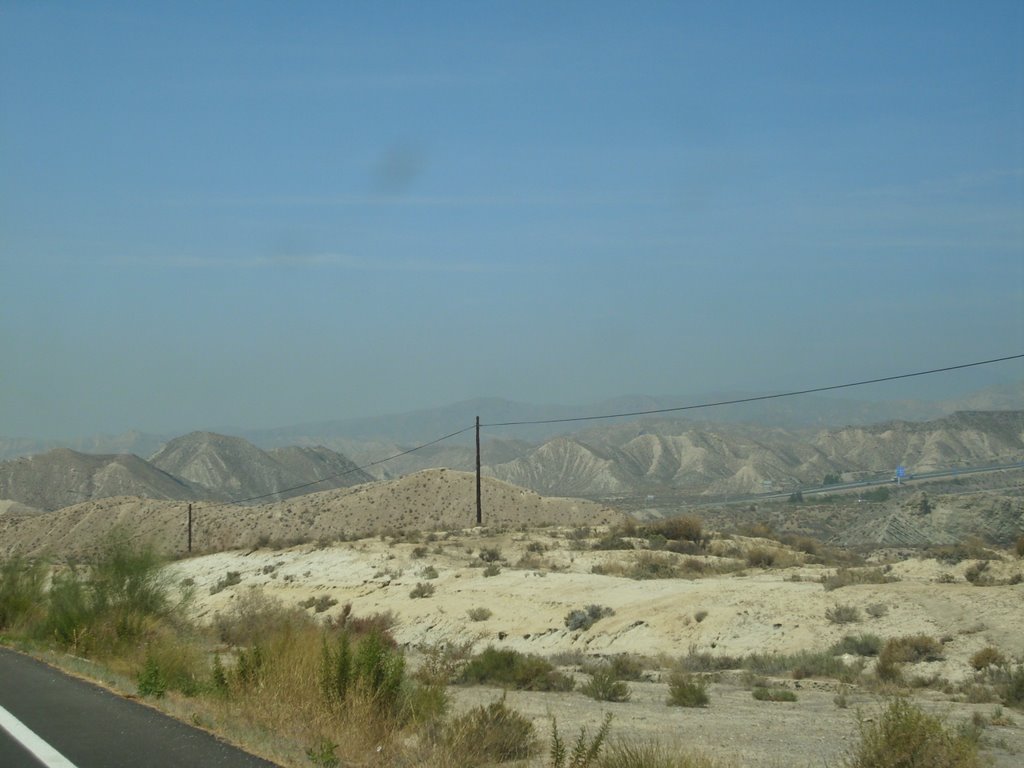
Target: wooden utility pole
{"points": [[479, 509], [190, 528]]}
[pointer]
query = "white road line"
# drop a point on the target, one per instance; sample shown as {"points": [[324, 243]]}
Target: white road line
{"points": [[42, 751]]}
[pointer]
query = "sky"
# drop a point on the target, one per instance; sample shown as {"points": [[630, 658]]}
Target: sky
{"points": [[270, 213]]}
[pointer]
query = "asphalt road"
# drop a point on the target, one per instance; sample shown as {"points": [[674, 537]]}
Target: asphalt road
{"points": [[93, 728]]}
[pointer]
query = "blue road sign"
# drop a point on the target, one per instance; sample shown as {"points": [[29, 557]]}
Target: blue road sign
{"points": [[901, 471]]}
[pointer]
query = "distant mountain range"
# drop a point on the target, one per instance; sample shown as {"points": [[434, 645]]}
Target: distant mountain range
{"points": [[372, 438], [646, 456], [197, 466]]}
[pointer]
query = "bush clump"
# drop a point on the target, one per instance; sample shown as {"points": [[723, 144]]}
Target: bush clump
{"points": [[516, 670], [605, 685], [987, 657], [585, 750], [230, 579], [859, 645], [479, 614], [767, 693], [905, 736], [844, 577], [843, 614], [760, 557], [686, 690], [584, 619], [422, 589], [21, 591], [494, 733], [912, 649]]}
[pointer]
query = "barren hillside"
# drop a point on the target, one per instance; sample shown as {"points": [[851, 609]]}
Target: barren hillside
{"points": [[61, 477], [685, 457], [429, 500]]}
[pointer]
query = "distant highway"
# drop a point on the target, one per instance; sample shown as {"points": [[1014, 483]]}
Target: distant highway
{"points": [[51, 720], [886, 480], [917, 476]]}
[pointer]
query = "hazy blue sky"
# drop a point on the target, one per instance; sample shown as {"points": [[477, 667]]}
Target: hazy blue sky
{"points": [[267, 213]]}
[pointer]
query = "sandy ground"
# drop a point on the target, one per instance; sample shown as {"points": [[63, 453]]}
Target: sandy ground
{"points": [[777, 610]]}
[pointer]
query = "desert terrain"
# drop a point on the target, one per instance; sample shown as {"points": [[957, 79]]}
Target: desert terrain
{"points": [[754, 600], [545, 573]]}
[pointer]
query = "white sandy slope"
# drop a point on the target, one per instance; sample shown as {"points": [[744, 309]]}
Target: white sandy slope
{"points": [[749, 611]]}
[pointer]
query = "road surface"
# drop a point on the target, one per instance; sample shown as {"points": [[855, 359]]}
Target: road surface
{"points": [[89, 727]]}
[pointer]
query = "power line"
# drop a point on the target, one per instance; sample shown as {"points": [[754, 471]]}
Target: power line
{"points": [[619, 415], [758, 397]]}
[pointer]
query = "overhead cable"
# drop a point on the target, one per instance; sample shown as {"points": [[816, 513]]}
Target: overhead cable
{"points": [[757, 397]]}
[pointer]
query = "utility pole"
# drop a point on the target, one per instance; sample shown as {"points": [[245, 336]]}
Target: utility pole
{"points": [[479, 509], [190, 528]]}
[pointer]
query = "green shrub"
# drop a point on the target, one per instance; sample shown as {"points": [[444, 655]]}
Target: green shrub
{"points": [[604, 685], [905, 737], [512, 669], [492, 569], [765, 693], [843, 614], [585, 750], [685, 690], [151, 680], [880, 494], [1011, 689], [21, 591], [479, 614], [379, 671], [98, 609]]}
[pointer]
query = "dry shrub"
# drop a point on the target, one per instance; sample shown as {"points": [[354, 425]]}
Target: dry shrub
{"points": [[844, 577], [912, 649], [761, 557], [987, 657], [843, 614], [489, 734], [685, 528], [254, 616], [636, 754]]}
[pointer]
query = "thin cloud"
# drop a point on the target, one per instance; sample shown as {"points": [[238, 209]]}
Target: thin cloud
{"points": [[317, 261], [948, 185]]}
